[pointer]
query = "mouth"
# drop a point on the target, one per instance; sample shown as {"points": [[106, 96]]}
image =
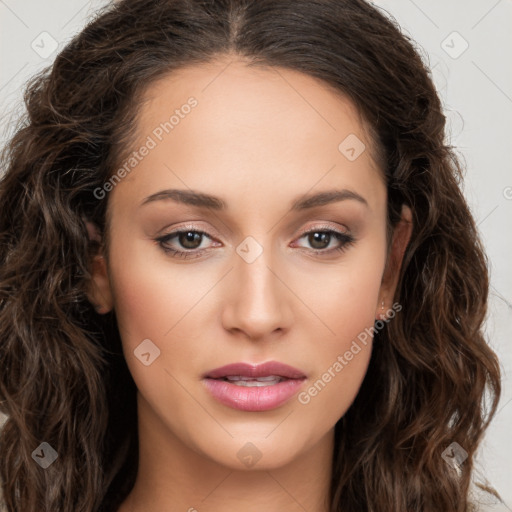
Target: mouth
{"points": [[240, 380], [254, 388]]}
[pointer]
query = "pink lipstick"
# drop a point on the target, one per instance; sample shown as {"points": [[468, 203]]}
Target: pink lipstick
{"points": [[254, 388]]}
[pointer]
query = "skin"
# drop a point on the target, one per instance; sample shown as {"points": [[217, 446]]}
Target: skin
{"points": [[259, 139]]}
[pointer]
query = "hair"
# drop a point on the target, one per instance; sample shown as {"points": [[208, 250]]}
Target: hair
{"points": [[432, 378]]}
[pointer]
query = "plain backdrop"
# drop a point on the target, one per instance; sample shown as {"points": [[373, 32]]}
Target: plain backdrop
{"points": [[468, 46]]}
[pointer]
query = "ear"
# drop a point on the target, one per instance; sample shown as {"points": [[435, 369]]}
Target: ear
{"points": [[99, 291], [401, 237]]}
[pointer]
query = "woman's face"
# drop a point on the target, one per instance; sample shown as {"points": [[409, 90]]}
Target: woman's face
{"points": [[240, 168]]}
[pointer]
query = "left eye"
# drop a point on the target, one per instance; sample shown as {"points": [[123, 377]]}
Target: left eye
{"points": [[190, 240], [319, 240]]}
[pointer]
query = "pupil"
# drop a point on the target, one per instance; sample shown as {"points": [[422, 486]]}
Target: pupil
{"points": [[322, 238], [188, 239]]}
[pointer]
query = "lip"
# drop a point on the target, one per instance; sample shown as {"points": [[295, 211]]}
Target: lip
{"points": [[254, 399], [256, 370]]}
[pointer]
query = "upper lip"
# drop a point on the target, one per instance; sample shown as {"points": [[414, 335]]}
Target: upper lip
{"points": [[256, 370]]}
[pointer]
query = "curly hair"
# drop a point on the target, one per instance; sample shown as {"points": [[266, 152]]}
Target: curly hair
{"points": [[432, 378]]}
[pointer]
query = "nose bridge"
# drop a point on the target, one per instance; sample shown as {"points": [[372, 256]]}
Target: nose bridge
{"points": [[259, 303], [256, 280]]}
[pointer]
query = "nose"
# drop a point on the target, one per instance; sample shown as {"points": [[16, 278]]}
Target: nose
{"points": [[258, 303]]}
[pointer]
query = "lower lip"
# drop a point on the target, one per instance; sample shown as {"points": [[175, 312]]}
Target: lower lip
{"points": [[255, 398]]}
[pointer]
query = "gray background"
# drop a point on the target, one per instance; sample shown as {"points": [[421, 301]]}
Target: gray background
{"points": [[473, 75]]}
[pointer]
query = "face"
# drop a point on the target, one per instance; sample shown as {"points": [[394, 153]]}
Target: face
{"points": [[250, 230]]}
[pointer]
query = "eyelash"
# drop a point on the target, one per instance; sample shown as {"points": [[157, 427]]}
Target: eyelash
{"points": [[345, 238]]}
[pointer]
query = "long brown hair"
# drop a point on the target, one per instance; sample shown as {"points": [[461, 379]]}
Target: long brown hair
{"points": [[432, 378]]}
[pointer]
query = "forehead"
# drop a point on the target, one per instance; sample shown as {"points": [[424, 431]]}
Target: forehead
{"points": [[251, 125], [253, 98]]}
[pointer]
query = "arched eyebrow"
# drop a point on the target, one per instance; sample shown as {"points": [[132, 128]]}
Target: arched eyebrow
{"points": [[202, 200], [326, 197], [190, 197]]}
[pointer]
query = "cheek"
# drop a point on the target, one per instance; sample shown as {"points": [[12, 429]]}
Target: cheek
{"points": [[346, 305], [330, 392], [169, 304], [153, 297], [344, 297], [342, 357]]}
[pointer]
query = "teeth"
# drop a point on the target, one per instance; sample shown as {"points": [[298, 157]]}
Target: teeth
{"points": [[240, 380], [261, 379], [253, 383]]}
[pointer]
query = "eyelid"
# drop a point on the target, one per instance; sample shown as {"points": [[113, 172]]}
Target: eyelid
{"points": [[185, 227], [323, 227]]}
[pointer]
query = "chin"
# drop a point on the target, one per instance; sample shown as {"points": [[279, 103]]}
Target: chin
{"points": [[260, 451]]}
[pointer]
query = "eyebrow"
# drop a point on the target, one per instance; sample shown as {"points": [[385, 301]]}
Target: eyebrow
{"points": [[194, 198]]}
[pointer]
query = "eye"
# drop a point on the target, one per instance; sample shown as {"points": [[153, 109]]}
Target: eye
{"points": [[188, 239], [319, 240]]}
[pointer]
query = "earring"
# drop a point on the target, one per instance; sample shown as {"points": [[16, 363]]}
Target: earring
{"points": [[382, 315]]}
